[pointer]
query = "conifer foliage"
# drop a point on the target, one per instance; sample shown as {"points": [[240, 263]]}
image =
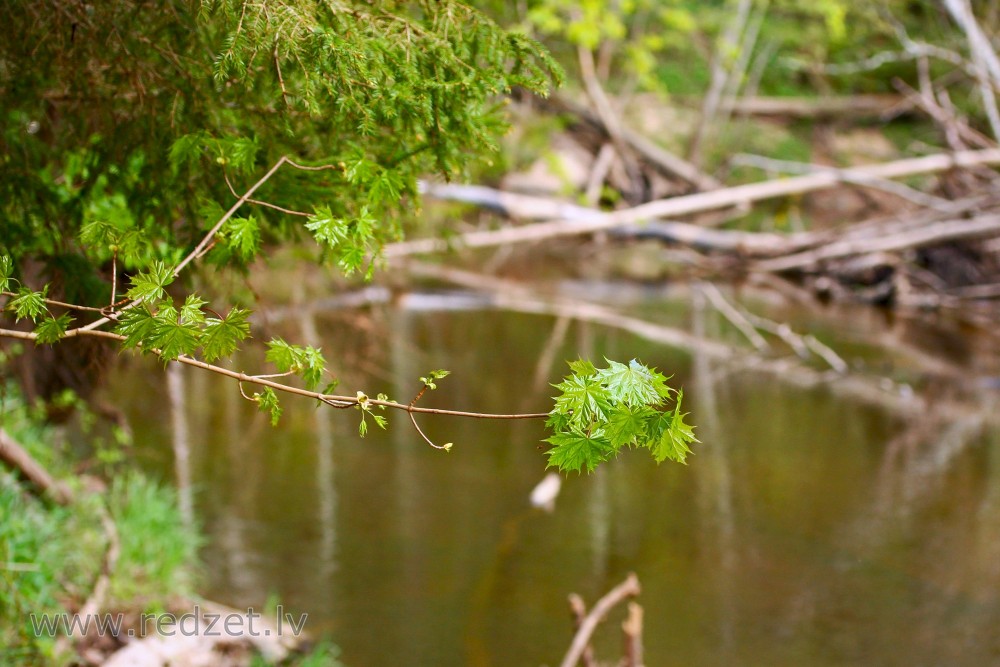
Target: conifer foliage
{"points": [[140, 138]]}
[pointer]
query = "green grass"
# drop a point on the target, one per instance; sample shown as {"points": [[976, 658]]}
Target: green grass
{"points": [[51, 556], [157, 549]]}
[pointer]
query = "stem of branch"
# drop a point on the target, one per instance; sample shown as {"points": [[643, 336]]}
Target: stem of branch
{"points": [[331, 399], [628, 588]]}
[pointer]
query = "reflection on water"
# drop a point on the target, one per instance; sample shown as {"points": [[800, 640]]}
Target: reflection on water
{"points": [[813, 525]]}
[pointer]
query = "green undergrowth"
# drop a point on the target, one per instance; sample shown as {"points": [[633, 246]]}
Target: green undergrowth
{"points": [[52, 555]]}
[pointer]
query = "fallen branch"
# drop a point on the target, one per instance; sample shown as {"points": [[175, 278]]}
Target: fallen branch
{"points": [[949, 230], [585, 221], [855, 106], [626, 589], [847, 176], [18, 458]]}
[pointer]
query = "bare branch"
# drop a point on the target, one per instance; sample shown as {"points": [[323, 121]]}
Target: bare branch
{"points": [[17, 457], [579, 610], [587, 221], [626, 589], [847, 176]]}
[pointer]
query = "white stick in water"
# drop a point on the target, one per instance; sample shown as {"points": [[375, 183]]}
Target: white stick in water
{"points": [[545, 493]]}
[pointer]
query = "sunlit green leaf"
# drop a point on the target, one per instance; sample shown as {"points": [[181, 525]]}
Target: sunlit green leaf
{"points": [[675, 439], [327, 229], [583, 400], [171, 335], [150, 286], [220, 338], [28, 304], [627, 424], [285, 356], [52, 329], [191, 310], [267, 401], [137, 325], [574, 450], [243, 237], [6, 271], [313, 366], [634, 384]]}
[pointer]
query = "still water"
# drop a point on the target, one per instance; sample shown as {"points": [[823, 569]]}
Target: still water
{"points": [[816, 525]]}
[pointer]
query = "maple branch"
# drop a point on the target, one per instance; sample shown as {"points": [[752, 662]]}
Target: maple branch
{"points": [[205, 244], [262, 380]]}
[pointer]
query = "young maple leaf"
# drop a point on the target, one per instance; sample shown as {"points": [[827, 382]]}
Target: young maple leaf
{"points": [[574, 450]]}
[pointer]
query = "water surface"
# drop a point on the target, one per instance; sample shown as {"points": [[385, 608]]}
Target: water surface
{"points": [[816, 525]]}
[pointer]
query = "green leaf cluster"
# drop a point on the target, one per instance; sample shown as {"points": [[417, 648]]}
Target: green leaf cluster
{"points": [[600, 411], [305, 361], [365, 406], [429, 380], [156, 323]]}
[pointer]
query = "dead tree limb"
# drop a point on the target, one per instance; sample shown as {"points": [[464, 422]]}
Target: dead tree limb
{"points": [[949, 230], [585, 221], [734, 316], [626, 589], [855, 106], [986, 63], [847, 176], [18, 458]]}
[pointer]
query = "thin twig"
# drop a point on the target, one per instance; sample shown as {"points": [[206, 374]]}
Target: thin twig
{"points": [[424, 435], [114, 279], [62, 304], [258, 380], [281, 79], [413, 420], [266, 204]]}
